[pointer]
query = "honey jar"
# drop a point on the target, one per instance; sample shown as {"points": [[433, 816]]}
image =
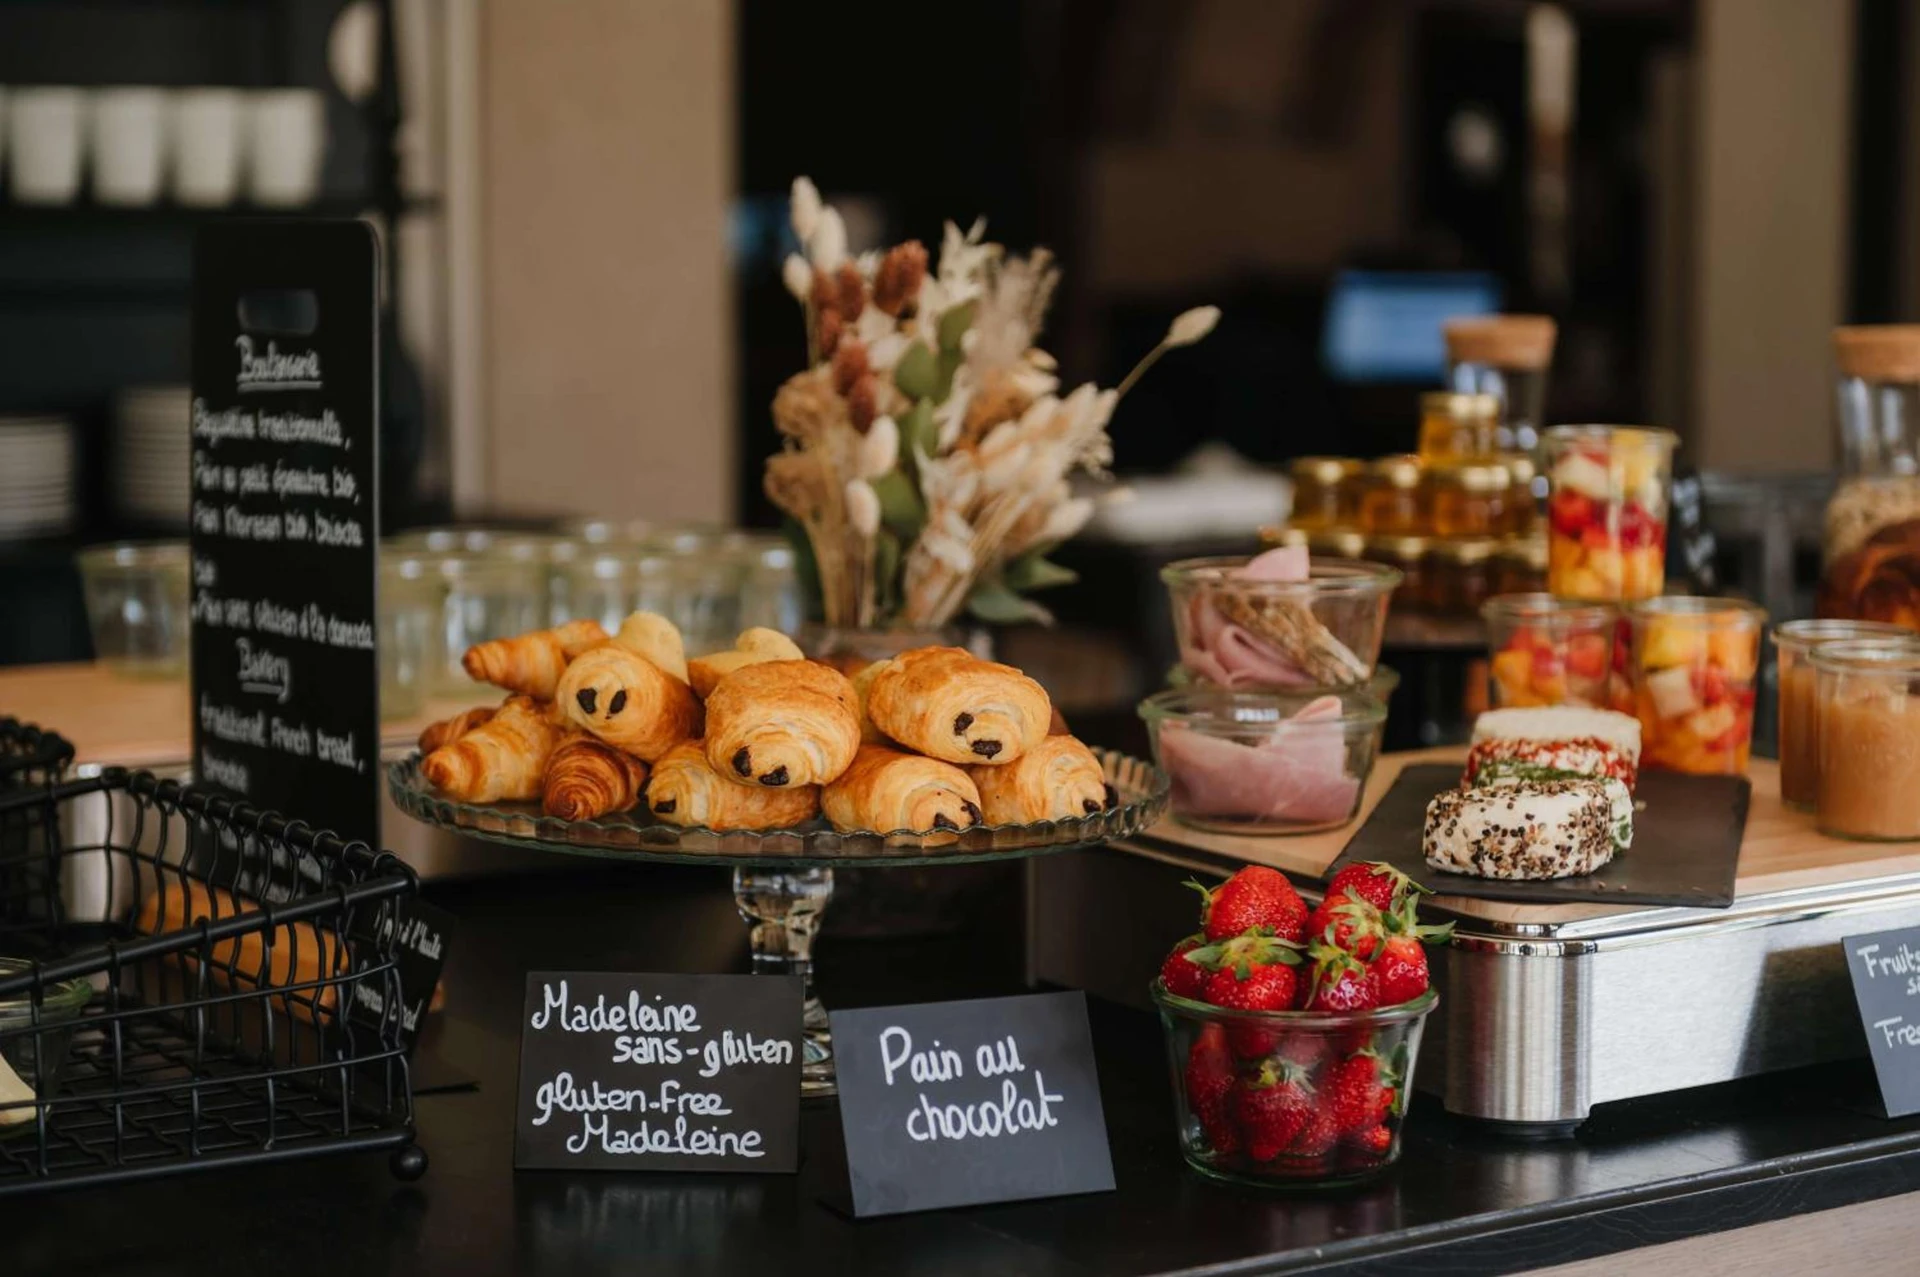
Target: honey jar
{"points": [[1393, 504], [1526, 492], [1410, 555], [1520, 566], [1459, 575], [1336, 543], [1326, 492], [1274, 535], [1469, 498], [1456, 426]]}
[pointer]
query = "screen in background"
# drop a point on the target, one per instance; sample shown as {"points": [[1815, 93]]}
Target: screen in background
{"points": [[1385, 325]]}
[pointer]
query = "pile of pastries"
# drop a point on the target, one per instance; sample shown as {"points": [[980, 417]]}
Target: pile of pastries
{"points": [[758, 736]]}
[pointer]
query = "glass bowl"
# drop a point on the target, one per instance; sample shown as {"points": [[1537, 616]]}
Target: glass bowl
{"points": [[1324, 631], [138, 606], [1247, 762], [36, 1052], [1381, 685], [1548, 651], [1227, 1063]]}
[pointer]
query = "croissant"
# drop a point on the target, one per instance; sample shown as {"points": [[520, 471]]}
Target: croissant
{"points": [[656, 638], [753, 647], [949, 704], [686, 790], [627, 701], [887, 791], [449, 730], [530, 663], [588, 778], [783, 723], [1056, 779], [502, 760], [862, 677]]}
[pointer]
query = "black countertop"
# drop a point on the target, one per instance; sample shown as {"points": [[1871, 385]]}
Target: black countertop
{"points": [[1463, 1201]]}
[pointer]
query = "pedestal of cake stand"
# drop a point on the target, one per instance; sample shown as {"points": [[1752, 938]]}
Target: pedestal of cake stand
{"points": [[783, 908]]}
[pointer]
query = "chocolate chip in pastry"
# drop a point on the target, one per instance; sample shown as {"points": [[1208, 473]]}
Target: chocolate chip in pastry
{"points": [[782, 723], [1058, 779], [627, 701], [949, 704], [686, 790], [890, 791]]}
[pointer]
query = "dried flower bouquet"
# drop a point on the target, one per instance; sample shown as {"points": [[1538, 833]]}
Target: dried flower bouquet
{"points": [[927, 452]]}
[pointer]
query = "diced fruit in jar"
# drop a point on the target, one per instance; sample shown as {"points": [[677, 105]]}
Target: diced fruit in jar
{"points": [[1672, 692]]}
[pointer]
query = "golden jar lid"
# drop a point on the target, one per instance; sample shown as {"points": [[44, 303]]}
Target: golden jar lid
{"points": [[1397, 550], [1324, 470], [1339, 543], [1465, 550], [1278, 534], [1503, 341], [1459, 407], [1878, 352], [1528, 551], [1401, 470], [1472, 476]]}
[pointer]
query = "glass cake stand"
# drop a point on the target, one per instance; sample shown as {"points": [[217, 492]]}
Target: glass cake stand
{"points": [[783, 878]]}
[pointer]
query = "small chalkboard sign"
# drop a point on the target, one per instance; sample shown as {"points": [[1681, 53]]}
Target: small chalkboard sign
{"points": [[284, 528], [955, 1103], [659, 1072], [1885, 967], [421, 933]]}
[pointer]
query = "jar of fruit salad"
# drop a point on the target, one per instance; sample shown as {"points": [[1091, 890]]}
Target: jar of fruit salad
{"points": [[1505, 356], [1548, 651], [1607, 511], [1392, 503], [1326, 491], [1410, 556], [1868, 696], [1459, 574], [1799, 732], [1873, 519], [1456, 426], [1469, 498], [1526, 494], [1520, 566], [1694, 662]]}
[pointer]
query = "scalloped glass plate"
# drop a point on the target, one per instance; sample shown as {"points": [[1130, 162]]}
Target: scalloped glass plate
{"points": [[1140, 786]]}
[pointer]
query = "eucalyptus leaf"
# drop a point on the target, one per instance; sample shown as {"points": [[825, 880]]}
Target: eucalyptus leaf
{"points": [[918, 373], [1033, 571], [886, 572], [992, 601], [901, 508], [950, 361], [954, 325], [919, 434]]}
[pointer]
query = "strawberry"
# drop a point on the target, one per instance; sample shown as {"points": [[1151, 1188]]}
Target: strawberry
{"points": [[1273, 1107], [1375, 1142], [1338, 981], [1267, 987], [1347, 923], [1316, 1138], [1255, 899], [1306, 1048], [1182, 976], [1210, 1084], [1399, 971], [1250, 973], [1374, 881], [1358, 1092]]}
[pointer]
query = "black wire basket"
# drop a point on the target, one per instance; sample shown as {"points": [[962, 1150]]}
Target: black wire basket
{"points": [[187, 982]]}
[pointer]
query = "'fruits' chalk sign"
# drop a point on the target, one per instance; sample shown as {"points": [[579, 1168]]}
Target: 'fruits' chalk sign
{"points": [[659, 1072], [1885, 968], [953, 1103]]}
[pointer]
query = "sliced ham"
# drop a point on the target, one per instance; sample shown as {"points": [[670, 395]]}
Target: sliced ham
{"points": [[1283, 563], [1231, 656], [1298, 774]]}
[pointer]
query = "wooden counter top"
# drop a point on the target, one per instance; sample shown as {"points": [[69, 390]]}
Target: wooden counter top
{"points": [[114, 720]]}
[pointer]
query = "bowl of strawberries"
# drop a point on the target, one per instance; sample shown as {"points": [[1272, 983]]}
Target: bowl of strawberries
{"points": [[1292, 1033]]}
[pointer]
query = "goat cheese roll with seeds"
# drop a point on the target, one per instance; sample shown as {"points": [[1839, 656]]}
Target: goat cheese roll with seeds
{"points": [[1523, 832]]}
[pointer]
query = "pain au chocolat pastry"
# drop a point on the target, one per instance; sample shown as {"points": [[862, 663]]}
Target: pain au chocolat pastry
{"points": [[531, 663], [627, 701], [502, 760], [449, 730], [1057, 779], [686, 790], [888, 791], [588, 778], [783, 723], [949, 704], [754, 647]]}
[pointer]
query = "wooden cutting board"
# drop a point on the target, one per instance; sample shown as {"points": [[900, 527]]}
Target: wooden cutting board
{"points": [[1781, 849]]}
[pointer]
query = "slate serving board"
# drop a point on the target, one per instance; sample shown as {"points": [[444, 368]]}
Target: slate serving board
{"points": [[1686, 844]]}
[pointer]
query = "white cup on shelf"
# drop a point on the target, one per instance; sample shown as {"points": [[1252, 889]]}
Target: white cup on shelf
{"points": [[286, 144], [45, 143], [127, 133], [207, 146]]}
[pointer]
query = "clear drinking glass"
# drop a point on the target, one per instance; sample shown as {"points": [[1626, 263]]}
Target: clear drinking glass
{"points": [[1607, 515], [138, 606], [1799, 733], [1506, 356], [482, 597], [410, 596]]}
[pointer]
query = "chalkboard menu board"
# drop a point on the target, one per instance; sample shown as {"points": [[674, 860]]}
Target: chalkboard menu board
{"points": [[637, 1072], [1885, 968], [285, 528]]}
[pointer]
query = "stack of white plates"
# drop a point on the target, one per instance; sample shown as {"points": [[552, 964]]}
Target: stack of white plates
{"points": [[36, 477], [152, 446]]}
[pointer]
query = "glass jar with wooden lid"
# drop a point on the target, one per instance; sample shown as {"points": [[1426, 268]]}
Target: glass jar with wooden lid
{"points": [[1392, 503], [1520, 566], [1505, 356], [1459, 574], [1337, 543], [1409, 554], [1326, 491], [1468, 498], [1456, 426]]}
